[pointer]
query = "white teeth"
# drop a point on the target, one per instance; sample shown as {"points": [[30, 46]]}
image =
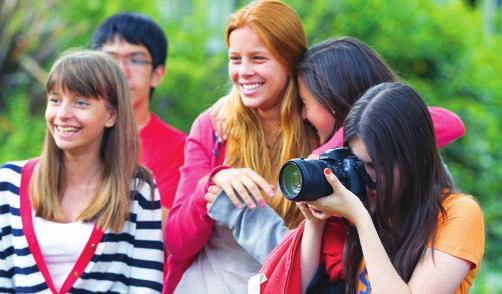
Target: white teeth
{"points": [[67, 129], [250, 86]]}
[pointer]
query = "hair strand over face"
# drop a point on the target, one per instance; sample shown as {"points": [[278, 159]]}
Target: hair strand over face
{"points": [[395, 124]]}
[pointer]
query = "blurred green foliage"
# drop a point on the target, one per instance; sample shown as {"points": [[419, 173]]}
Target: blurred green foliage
{"points": [[437, 46]]}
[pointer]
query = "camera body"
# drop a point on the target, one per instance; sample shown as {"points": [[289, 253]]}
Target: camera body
{"points": [[303, 180]]}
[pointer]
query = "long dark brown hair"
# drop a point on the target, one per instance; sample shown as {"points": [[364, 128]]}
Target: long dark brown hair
{"points": [[394, 123], [338, 71]]}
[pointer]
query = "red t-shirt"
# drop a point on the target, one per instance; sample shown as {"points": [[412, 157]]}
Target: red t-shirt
{"points": [[162, 153]]}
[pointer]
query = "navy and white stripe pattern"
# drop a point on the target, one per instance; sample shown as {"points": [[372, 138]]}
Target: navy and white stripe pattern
{"points": [[128, 262]]}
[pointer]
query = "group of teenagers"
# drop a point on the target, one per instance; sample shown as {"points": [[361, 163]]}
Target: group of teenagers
{"points": [[121, 202]]}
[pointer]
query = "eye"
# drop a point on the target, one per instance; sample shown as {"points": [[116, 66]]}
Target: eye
{"points": [[234, 59], [53, 100], [259, 58], [138, 61], [82, 102]]}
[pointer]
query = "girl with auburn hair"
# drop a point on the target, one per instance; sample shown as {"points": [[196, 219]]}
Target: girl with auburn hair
{"points": [[86, 198], [265, 41], [408, 235]]}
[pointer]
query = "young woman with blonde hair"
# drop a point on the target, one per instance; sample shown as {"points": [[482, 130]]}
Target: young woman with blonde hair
{"points": [[84, 216], [265, 41]]}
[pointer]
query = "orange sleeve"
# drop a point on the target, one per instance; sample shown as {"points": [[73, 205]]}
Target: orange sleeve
{"points": [[462, 232]]}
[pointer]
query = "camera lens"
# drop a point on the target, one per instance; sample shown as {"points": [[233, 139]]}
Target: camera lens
{"points": [[291, 180]]}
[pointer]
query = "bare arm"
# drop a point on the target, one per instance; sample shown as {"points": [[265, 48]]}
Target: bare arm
{"points": [[442, 276], [310, 249]]}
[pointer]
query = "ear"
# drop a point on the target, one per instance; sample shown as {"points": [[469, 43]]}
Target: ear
{"points": [[112, 117], [157, 75]]}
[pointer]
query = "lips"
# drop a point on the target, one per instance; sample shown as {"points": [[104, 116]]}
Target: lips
{"points": [[67, 132], [249, 89], [67, 129]]}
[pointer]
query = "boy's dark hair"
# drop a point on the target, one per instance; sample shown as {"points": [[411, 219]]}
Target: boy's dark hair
{"points": [[136, 29]]}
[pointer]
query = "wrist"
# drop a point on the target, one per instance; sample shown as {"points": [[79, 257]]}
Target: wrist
{"points": [[213, 173], [362, 219]]}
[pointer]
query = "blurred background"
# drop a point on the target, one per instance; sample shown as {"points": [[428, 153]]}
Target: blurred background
{"points": [[450, 51]]}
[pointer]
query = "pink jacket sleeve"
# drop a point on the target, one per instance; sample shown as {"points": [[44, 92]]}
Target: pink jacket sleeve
{"points": [[188, 226], [447, 126]]}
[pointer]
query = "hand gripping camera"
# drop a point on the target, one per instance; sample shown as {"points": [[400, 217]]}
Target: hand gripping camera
{"points": [[303, 180]]}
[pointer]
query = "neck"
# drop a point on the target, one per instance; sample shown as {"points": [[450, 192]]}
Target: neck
{"points": [[141, 115], [270, 120], [271, 123], [82, 168]]}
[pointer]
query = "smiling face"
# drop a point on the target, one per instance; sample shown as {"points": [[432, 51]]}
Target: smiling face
{"points": [[259, 77], [77, 123], [316, 114]]}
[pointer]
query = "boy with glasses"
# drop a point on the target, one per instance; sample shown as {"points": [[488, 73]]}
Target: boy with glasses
{"points": [[140, 48]]}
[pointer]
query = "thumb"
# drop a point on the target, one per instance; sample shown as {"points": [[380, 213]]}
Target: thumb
{"points": [[333, 181]]}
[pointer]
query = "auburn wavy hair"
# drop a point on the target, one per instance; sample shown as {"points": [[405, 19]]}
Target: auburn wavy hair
{"points": [[279, 27]]}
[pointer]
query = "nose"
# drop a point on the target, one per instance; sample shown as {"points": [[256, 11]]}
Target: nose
{"points": [[64, 111], [246, 68]]}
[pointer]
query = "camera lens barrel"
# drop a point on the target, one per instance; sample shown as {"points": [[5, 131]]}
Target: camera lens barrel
{"points": [[303, 180]]}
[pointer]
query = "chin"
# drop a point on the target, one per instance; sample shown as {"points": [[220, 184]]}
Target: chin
{"points": [[251, 102]]}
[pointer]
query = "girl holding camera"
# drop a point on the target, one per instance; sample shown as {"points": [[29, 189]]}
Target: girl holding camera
{"points": [[414, 233], [332, 75]]}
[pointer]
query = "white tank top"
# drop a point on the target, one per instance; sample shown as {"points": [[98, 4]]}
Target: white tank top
{"points": [[61, 245]]}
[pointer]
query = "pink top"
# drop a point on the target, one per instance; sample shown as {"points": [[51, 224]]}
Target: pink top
{"points": [[188, 225], [447, 126]]}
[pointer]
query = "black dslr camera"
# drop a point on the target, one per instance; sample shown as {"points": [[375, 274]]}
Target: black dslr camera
{"points": [[303, 180]]}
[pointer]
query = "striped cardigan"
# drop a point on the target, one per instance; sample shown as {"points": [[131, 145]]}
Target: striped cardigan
{"points": [[128, 262]]}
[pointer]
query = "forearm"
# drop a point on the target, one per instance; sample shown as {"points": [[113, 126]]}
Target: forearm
{"points": [[382, 275], [310, 251]]}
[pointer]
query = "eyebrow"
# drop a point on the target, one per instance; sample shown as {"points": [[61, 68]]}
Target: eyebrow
{"points": [[254, 52], [134, 53]]}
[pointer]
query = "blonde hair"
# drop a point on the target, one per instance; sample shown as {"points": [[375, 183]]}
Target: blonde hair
{"points": [[94, 75], [279, 28]]}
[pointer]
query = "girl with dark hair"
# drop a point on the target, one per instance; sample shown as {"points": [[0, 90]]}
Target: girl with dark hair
{"points": [[83, 217], [333, 74], [413, 232]]}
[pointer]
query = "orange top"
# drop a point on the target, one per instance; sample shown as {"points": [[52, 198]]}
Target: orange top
{"points": [[460, 234]]}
